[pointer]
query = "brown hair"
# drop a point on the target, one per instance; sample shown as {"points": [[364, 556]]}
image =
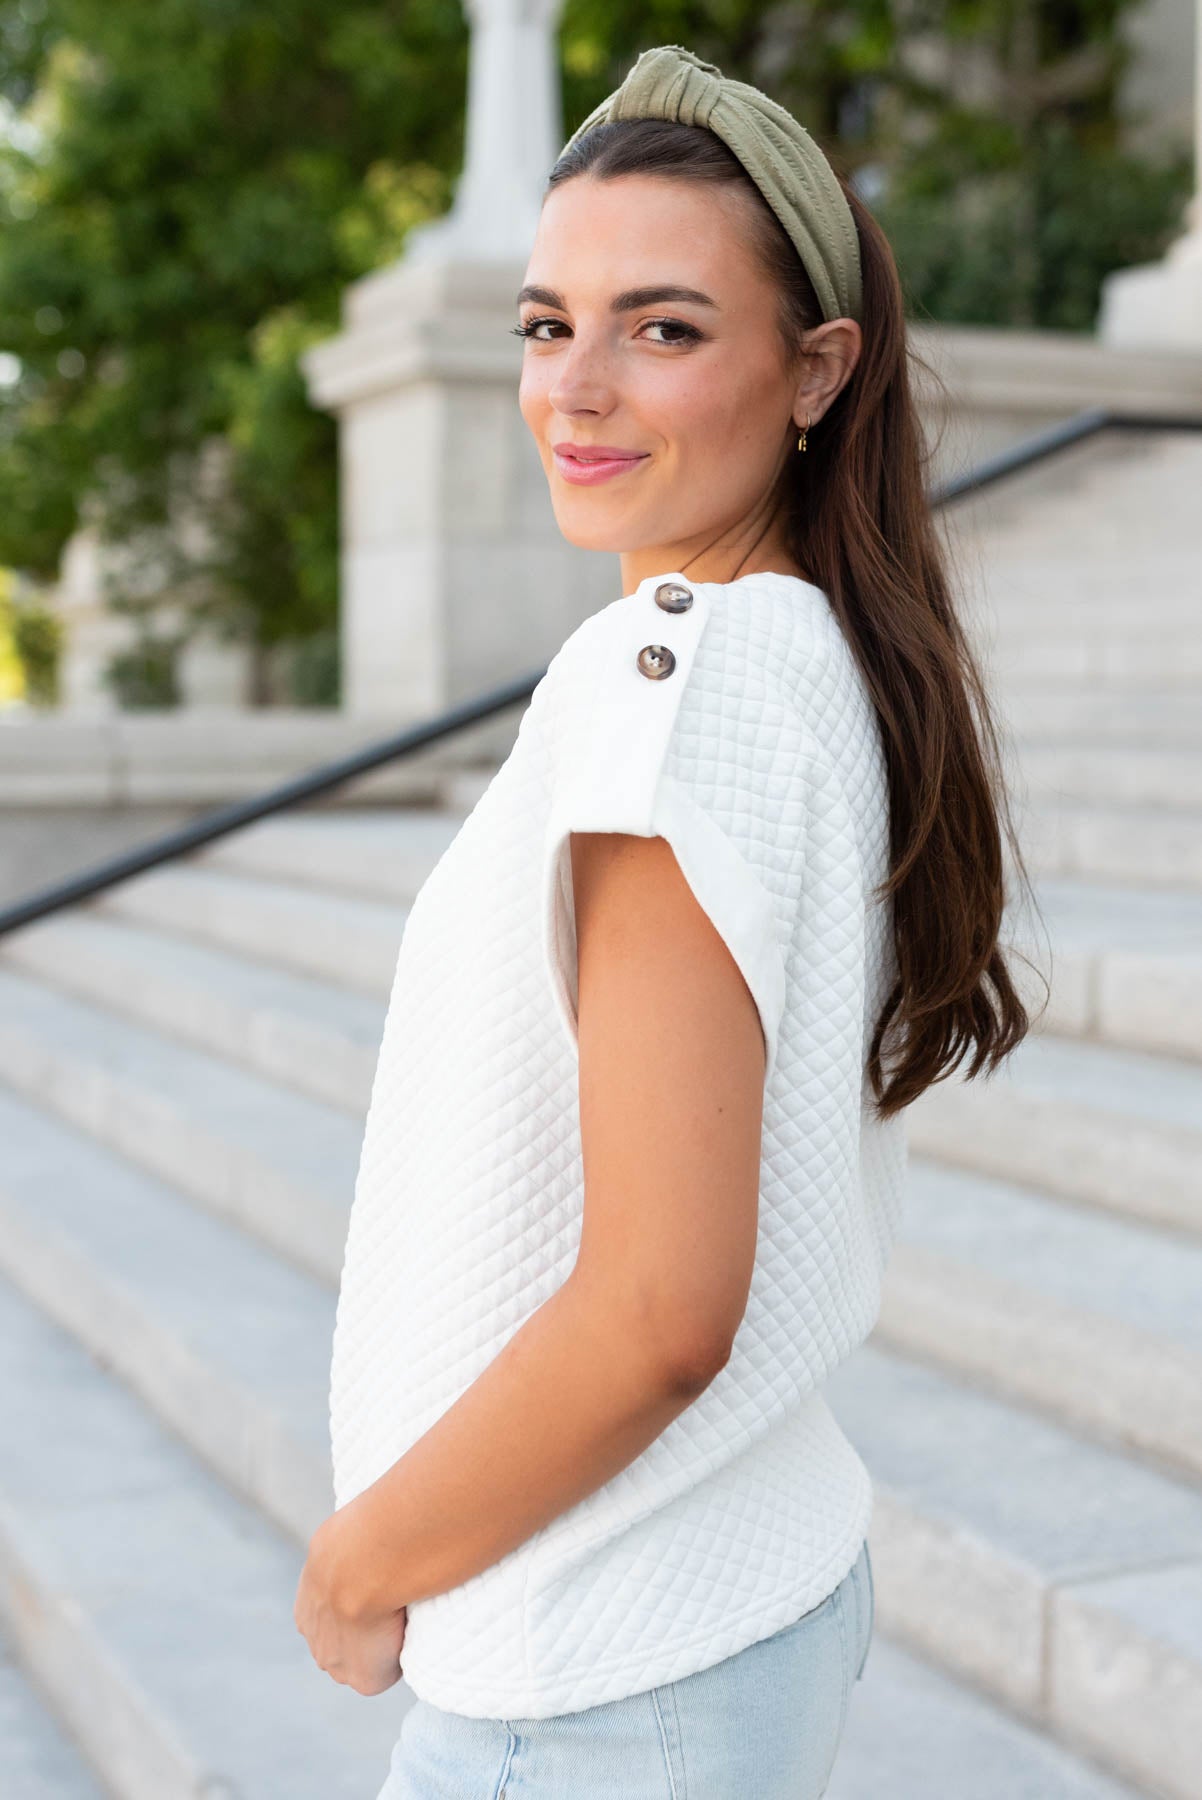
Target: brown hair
{"points": [[859, 521]]}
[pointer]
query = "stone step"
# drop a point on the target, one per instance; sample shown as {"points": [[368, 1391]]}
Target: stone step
{"points": [[1006, 625], [1102, 774], [1062, 588], [312, 1036], [1106, 661], [913, 1732], [1137, 515], [1110, 484], [1121, 567], [242, 1384], [280, 1166], [183, 759], [1065, 714], [1151, 847], [224, 1341], [1058, 582], [330, 935], [1064, 568], [153, 1607], [1089, 1319], [1059, 1577], [1129, 557], [1124, 965], [374, 853], [1110, 1128], [38, 1758]]}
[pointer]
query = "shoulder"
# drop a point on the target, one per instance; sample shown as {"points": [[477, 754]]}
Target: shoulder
{"points": [[768, 639], [775, 632], [732, 679], [778, 636]]}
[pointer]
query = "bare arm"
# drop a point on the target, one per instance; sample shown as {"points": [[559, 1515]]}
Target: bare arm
{"points": [[671, 1094]]}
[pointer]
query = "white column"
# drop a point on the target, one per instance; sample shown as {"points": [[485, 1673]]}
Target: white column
{"points": [[512, 137], [1158, 306]]}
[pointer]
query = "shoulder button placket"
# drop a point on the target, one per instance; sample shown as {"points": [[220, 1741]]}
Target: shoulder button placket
{"points": [[657, 660]]}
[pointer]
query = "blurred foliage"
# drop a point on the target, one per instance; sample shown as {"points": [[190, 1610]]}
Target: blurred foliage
{"points": [[146, 674], [187, 187], [36, 636], [315, 668], [1000, 174], [1029, 246], [275, 521]]}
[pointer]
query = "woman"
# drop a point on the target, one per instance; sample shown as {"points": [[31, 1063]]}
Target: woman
{"points": [[635, 1157]]}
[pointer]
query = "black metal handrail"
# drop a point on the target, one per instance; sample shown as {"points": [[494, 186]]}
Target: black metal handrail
{"points": [[225, 819]]}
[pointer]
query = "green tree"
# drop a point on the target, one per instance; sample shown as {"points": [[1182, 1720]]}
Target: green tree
{"points": [[188, 189]]}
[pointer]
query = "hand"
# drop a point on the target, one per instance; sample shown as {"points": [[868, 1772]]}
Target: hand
{"points": [[358, 1647]]}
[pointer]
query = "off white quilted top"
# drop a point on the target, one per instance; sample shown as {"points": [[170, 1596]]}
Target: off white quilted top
{"points": [[758, 757]]}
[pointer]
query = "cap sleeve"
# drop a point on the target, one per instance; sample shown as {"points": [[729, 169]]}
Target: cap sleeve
{"points": [[652, 735]]}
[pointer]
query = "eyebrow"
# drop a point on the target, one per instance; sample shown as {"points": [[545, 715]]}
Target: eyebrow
{"points": [[628, 301]]}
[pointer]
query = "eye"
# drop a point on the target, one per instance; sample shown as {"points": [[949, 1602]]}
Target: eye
{"points": [[689, 333], [528, 329]]}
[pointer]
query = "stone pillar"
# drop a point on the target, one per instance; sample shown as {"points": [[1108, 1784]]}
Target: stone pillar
{"points": [[454, 575], [1158, 306], [513, 132]]}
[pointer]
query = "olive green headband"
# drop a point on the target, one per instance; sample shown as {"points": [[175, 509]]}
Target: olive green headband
{"points": [[781, 157]]}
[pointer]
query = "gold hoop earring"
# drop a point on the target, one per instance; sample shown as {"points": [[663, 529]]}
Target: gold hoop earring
{"points": [[801, 442]]}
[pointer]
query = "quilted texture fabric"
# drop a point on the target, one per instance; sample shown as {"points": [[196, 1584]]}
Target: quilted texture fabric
{"points": [[759, 758]]}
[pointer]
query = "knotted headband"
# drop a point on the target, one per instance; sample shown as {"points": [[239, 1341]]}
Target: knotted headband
{"points": [[781, 157]]}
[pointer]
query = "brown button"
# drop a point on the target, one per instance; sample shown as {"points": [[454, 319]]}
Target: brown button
{"points": [[656, 661], [673, 596]]}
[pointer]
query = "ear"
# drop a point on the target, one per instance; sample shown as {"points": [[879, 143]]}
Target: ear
{"points": [[831, 353]]}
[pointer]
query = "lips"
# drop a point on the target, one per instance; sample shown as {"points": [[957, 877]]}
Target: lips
{"points": [[588, 453], [587, 465]]}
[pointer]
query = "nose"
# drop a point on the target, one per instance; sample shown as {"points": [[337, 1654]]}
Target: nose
{"points": [[583, 376]]}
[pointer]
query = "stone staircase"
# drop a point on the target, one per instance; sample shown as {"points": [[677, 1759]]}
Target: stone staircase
{"points": [[185, 1066]]}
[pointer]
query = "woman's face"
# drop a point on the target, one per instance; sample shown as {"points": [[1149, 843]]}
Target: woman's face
{"points": [[693, 383]]}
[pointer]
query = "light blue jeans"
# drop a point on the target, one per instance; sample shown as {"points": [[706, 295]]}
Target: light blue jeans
{"points": [[764, 1724]]}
